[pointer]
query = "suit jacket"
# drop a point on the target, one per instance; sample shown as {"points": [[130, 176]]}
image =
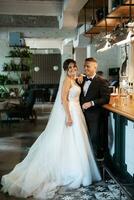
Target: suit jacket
{"points": [[98, 92]]}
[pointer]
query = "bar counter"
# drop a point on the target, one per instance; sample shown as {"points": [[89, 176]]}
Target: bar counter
{"points": [[121, 134], [121, 105]]}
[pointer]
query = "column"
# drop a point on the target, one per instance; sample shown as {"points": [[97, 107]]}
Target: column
{"points": [[80, 53]]}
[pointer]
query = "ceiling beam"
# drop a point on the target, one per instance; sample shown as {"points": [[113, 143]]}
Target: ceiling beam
{"points": [[35, 7]]}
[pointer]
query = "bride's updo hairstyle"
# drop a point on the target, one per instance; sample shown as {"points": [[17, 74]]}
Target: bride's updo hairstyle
{"points": [[67, 62]]}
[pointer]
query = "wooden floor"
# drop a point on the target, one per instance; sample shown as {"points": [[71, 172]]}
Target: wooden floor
{"points": [[15, 141]]}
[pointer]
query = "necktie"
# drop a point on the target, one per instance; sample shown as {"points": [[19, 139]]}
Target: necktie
{"points": [[88, 79]]}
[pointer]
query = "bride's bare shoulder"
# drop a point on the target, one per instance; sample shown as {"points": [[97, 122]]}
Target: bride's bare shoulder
{"points": [[67, 80]]}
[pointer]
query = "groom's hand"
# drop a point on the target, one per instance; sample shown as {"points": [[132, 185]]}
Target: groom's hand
{"points": [[80, 79], [87, 105]]}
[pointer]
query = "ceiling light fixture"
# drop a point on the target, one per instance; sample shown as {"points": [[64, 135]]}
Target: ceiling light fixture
{"points": [[127, 40], [55, 68], [106, 47], [36, 69], [93, 21]]}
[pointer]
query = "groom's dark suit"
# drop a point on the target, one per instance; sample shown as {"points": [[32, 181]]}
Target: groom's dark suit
{"points": [[98, 92]]}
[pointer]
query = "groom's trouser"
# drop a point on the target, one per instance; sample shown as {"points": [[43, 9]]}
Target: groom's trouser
{"points": [[95, 125]]}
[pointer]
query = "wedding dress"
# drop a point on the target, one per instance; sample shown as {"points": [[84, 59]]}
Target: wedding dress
{"points": [[61, 156]]}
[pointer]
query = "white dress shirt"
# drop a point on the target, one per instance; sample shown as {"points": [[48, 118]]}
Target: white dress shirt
{"points": [[86, 85]]}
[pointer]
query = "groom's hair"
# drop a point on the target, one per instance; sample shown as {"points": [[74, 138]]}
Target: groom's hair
{"points": [[91, 59], [67, 62]]}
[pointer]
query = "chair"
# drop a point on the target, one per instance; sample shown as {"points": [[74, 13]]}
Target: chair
{"points": [[25, 109], [39, 95], [42, 95]]}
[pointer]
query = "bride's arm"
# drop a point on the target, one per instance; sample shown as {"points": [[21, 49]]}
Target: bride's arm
{"points": [[64, 98]]}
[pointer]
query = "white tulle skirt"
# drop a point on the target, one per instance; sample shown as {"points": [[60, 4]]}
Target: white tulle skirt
{"points": [[61, 156]]}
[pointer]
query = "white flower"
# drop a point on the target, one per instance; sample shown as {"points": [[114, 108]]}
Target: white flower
{"points": [[68, 198], [86, 197], [83, 189]]}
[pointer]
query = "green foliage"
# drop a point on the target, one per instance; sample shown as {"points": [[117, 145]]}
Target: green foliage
{"points": [[21, 60], [4, 92], [3, 78], [20, 52], [25, 63]]}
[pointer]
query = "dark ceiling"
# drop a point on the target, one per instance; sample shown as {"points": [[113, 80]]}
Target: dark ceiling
{"points": [[28, 21], [96, 3], [90, 9], [48, 21]]}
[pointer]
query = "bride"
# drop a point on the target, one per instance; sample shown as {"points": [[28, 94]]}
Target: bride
{"points": [[62, 154]]}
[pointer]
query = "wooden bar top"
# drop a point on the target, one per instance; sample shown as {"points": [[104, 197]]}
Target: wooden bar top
{"points": [[122, 105]]}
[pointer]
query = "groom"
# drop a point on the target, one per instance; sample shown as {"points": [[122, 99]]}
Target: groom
{"points": [[94, 94]]}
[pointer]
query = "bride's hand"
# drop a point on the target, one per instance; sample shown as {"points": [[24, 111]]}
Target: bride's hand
{"points": [[69, 121]]}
